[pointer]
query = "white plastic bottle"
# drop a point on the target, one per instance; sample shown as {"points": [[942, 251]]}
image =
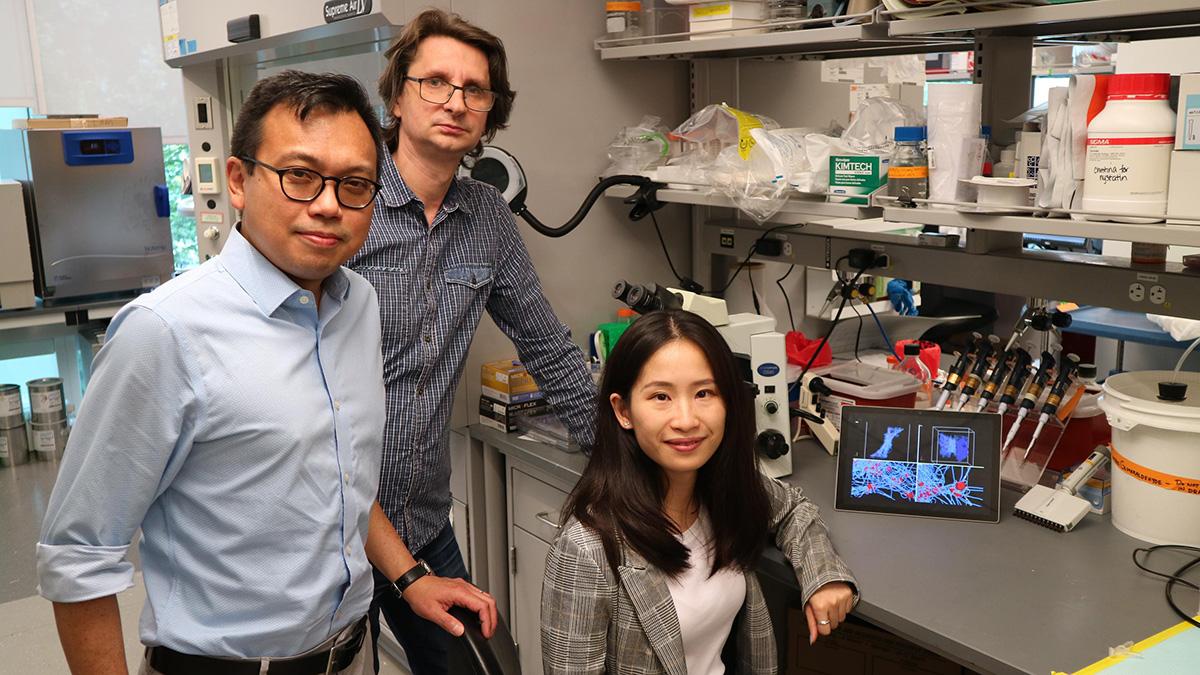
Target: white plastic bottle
{"points": [[1129, 150], [623, 19]]}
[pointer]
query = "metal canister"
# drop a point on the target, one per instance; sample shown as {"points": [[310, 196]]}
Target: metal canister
{"points": [[12, 412], [46, 400], [14, 446], [48, 440]]}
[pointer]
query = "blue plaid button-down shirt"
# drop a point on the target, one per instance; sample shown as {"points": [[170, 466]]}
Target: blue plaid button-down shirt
{"points": [[434, 283]]}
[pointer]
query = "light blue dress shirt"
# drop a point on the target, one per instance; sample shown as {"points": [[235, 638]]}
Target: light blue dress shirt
{"points": [[241, 429]]}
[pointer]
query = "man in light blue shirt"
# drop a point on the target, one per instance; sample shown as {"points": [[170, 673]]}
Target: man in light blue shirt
{"points": [[236, 416]]}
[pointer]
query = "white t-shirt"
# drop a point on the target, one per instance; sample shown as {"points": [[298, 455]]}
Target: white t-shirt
{"points": [[706, 606]]}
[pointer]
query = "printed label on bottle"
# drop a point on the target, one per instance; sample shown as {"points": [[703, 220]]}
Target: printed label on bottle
{"points": [[10, 405], [623, 6], [4, 452], [899, 172], [43, 441], [1128, 168], [46, 401]]}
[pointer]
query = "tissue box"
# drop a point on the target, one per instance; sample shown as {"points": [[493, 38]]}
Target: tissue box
{"points": [[503, 416], [507, 381], [852, 177], [1187, 121], [731, 9], [1183, 199]]}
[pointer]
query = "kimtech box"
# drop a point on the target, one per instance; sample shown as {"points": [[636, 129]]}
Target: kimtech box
{"points": [[853, 177]]}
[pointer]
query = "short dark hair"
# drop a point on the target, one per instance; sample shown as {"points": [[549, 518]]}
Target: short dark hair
{"points": [[304, 93], [436, 22], [620, 495]]}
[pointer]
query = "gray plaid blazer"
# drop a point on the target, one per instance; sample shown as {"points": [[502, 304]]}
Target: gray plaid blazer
{"points": [[625, 624]]}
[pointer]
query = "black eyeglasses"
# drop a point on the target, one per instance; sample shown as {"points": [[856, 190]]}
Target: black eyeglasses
{"points": [[437, 90], [305, 185]]}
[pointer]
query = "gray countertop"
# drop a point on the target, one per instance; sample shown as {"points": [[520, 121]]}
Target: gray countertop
{"points": [[1005, 598]]}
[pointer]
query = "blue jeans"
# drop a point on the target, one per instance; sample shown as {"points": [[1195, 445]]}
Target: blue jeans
{"points": [[425, 643]]}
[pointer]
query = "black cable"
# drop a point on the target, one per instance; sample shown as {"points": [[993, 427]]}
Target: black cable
{"points": [[753, 292], [1172, 579], [824, 339], [779, 283], [749, 255], [664, 248], [857, 335]]}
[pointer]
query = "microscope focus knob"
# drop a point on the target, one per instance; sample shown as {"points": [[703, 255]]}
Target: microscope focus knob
{"points": [[772, 444], [771, 407]]}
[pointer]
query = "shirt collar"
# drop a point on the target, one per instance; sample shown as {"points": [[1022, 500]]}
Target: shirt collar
{"points": [[265, 283], [396, 193]]}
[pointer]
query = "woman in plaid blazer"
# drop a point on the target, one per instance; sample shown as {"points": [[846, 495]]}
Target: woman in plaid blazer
{"points": [[653, 571]]}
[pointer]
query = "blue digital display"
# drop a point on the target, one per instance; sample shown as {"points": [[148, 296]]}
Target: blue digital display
{"points": [[92, 148]]}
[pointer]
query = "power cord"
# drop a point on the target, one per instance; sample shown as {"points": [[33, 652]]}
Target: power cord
{"points": [[888, 340], [779, 283], [858, 333], [686, 283], [1172, 579], [836, 318], [750, 254]]}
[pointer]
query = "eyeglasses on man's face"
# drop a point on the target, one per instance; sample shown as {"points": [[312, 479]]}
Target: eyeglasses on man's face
{"points": [[301, 184], [438, 90]]}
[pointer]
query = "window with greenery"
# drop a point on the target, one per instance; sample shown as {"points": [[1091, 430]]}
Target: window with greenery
{"points": [[183, 224]]}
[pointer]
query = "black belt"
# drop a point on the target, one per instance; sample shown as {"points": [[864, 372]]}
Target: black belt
{"points": [[170, 662]]}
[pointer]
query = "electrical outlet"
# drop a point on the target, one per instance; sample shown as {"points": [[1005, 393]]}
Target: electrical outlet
{"points": [[1158, 295], [1137, 292], [787, 249]]}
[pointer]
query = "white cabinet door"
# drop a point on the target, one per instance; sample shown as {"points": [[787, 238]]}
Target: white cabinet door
{"points": [[462, 530], [530, 556]]}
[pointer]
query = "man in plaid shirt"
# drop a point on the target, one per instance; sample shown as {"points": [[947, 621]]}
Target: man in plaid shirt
{"points": [[442, 250]]}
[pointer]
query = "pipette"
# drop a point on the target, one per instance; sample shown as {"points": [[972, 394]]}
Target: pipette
{"points": [[1020, 373], [986, 349], [956, 372], [1066, 371], [1031, 396], [998, 374]]}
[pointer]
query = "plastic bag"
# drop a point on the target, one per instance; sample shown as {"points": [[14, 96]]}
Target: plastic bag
{"points": [[638, 148], [873, 130], [757, 198]]}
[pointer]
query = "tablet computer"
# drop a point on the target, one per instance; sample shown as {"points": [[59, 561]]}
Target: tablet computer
{"points": [[930, 463]]}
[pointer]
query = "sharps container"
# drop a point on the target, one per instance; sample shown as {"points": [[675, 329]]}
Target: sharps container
{"points": [[14, 445], [855, 383], [1155, 455]]}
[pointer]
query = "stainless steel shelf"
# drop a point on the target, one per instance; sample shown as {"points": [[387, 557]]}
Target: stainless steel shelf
{"points": [[1134, 18], [887, 33], [865, 39], [1158, 233], [796, 211]]}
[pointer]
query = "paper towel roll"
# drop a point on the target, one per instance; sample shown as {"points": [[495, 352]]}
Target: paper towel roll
{"points": [[954, 116]]}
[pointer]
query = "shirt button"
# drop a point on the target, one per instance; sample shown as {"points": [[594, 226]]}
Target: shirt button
{"points": [[337, 405], [347, 550], [428, 285], [346, 477], [304, 299], [427, 338], [420, 390]]}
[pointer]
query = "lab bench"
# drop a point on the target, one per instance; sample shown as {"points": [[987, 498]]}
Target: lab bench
{"points": [[999, 598]]}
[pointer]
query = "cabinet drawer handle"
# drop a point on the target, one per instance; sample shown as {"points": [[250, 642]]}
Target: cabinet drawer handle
{"points": [[543, 516]]}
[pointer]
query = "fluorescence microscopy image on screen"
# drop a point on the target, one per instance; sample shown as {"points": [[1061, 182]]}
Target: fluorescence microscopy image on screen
{"points": [[888, 480], [941, 464]]}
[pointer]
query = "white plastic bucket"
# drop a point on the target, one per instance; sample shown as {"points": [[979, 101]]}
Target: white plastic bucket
{"points": [[1156, 457]]}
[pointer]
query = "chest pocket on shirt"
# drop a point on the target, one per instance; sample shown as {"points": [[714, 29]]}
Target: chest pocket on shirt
{"points": [[472, 275], [393, 286]]}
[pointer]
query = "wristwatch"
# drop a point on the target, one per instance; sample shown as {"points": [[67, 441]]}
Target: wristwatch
{"points": [[407, 579]]}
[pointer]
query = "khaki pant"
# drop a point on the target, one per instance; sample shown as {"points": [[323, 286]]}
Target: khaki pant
{"points": [[363, 663]]}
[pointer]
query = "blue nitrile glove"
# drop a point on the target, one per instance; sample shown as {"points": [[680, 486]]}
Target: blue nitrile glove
{"points": [[900, 294]]}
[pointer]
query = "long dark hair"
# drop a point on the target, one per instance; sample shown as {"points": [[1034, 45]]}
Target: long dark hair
{"points": [[620, 495]]}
